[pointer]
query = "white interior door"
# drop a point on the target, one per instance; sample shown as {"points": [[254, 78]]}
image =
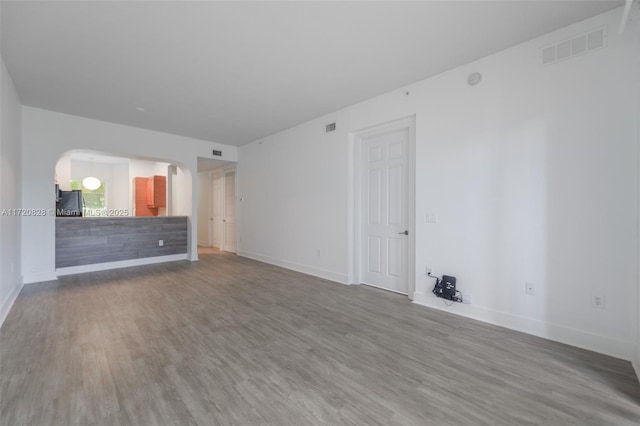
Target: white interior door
{"points": [[229, 220], [384, 210], [216, 211]]}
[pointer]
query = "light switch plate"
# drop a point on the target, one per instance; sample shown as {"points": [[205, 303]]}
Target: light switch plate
{"points": [[530, 289]]}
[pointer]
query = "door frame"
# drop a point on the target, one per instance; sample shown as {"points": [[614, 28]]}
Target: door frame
{"points": [[208, 242], [224, 171], [355, 199]]}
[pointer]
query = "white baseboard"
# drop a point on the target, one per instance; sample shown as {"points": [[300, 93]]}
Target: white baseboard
{"points": [[38, 277], [305, 269], [570, 336], [119, 264], [9, 300]]}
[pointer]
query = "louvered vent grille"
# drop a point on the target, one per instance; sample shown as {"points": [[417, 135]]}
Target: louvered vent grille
{"points": [[576, 46]]}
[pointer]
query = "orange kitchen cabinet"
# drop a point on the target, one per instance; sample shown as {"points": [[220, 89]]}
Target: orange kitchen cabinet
{"points": [[157, 192], [150, 195]]}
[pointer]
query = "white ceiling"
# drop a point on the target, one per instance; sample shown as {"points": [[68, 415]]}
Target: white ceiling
{"points": [[233, 72]]}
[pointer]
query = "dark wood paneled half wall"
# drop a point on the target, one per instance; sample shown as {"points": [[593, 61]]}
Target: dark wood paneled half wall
{"points": [[85, 241]]}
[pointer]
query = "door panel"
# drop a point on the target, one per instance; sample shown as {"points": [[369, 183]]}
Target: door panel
{"points": [[384, 215], [395, 253], [395, 188], [374, 196], [217, 212], [375, 153], [230, 212], [374, 255]]}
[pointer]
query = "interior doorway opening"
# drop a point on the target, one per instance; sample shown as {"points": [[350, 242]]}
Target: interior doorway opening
{"points": [[217, 206], [118, 193]]}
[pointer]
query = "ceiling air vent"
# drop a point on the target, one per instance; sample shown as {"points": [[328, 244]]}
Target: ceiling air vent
{"points": [[579, 45], [330, 127]]}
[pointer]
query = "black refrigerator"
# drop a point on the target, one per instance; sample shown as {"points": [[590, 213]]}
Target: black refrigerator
{"points": [[69, 203]]}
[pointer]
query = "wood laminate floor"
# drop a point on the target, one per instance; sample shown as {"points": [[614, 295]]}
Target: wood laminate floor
{"points": [[228, 340]]}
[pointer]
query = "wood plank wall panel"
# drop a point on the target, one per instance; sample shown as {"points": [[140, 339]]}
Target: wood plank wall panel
{"points": [[84, 241]]}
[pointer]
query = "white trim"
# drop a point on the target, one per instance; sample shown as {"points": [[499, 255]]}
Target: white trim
{"points": [[228, 170], [385, 289], [411, 209], [39, 277], [636, 362], [570, 336], [625, 16], [70, 270], [354, 207], [305, 269], [8, 301]]}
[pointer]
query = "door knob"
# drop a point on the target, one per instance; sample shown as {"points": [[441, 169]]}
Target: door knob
{"points": [[404, 233]]}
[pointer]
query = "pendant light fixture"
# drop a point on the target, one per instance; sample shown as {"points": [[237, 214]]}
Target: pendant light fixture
{"points": [[90, 182]]}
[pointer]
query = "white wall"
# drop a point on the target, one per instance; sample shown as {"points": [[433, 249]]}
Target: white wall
{"points": [[47, 135], [81, 169], [63, 173], [185, 203], [533, 174], [10, 192], [118, 191], [293, 188]]}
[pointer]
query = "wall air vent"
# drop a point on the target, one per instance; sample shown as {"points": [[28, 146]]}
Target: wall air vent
{"points": [[579, 45], [330, 127], [217, 153]]}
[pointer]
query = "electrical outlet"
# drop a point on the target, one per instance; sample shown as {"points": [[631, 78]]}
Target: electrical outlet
{"points": [[597, 301], [318, 252], [529, 289], [160, 243], [429, 271], [432, 217], [466, 298], [12, 267]]}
